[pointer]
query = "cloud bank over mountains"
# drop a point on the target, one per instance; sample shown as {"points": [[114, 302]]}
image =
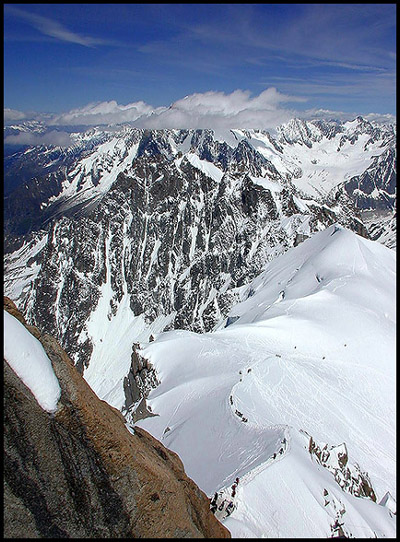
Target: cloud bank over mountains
{"points": [[108, 113], [212, 109]]}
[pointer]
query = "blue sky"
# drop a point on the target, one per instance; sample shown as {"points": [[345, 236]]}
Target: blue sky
{"points": [[339, 57]]}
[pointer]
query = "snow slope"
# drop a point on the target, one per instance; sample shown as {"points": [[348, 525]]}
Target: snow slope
{"points": [[27, 358], [112, 339], [22, 268], [307, 356]]}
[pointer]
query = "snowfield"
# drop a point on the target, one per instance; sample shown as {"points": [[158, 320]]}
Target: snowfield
{"points": [[307, 356], [26, 356]]}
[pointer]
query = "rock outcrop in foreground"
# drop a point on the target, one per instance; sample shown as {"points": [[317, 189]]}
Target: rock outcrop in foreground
{"points": [[81, 473]]}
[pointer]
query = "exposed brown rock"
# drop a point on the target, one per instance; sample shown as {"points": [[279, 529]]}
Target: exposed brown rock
{"points": [[10, 307], [81, 473], [34, 331]]}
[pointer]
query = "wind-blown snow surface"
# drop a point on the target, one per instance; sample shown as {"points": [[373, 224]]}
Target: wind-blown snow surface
{"points": [[29, 361], [309, 352]]}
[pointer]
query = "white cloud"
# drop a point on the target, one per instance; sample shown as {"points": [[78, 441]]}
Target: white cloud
{"points": [[200, 110], [215, 110], [378, 117], [102, 113], [219, 110], [238, 100], [52, 28], [61, 139], [11, 115], [312, 114]]}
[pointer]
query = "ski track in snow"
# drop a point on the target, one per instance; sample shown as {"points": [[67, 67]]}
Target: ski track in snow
{"points": [[269, 459]]}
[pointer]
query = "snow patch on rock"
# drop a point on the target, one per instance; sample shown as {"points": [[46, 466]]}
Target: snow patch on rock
{"points": [[27, 358]]}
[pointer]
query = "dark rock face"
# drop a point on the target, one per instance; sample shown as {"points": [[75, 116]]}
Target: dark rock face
{"points": [[11, 308], [137, 385], [31, 176], [376, 187], [382, 226], [55, 481], [23, 212], [171, 245], [81, 473]]}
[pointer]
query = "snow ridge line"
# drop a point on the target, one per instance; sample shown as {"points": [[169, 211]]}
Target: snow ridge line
{"points": [[224, 501]]}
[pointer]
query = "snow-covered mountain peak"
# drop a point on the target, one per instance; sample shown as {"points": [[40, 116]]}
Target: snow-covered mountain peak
{"points": [[328, 262], [299, 131], [317, 158]]}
